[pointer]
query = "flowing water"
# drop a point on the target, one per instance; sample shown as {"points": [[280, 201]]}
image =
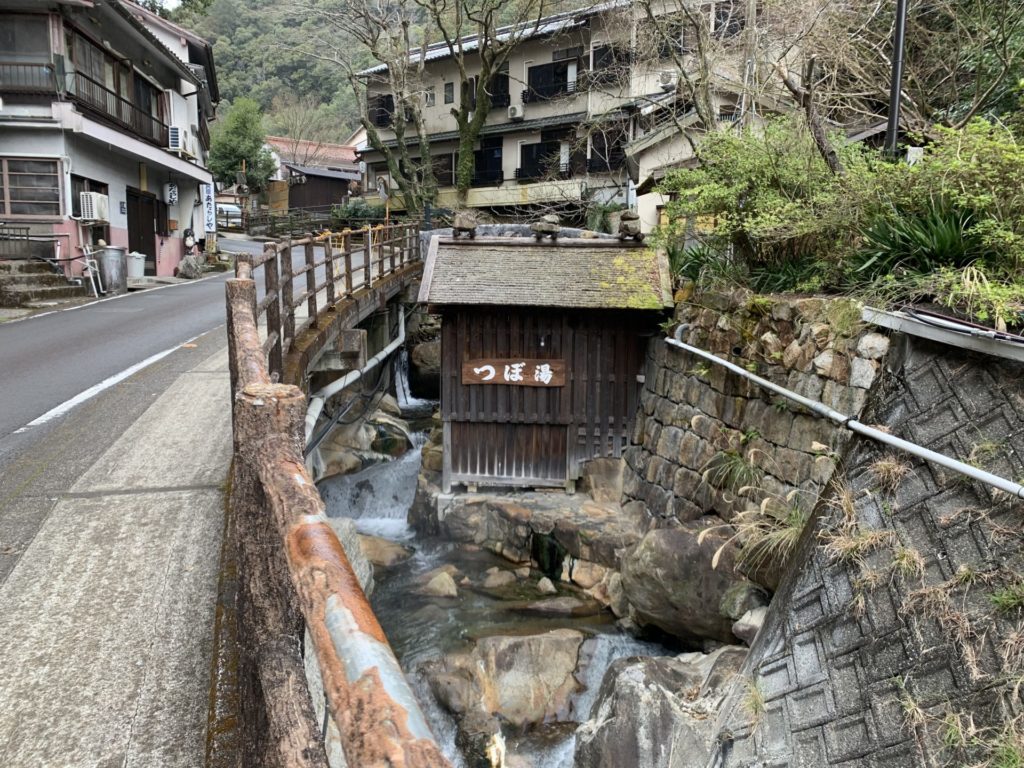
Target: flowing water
{"points": [[421, 628]]}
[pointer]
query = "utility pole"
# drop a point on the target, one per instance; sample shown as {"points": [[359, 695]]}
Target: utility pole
{"points": [[896, 86]]}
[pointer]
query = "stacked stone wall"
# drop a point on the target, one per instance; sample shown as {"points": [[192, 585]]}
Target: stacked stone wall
{"points": [[696, 416]]}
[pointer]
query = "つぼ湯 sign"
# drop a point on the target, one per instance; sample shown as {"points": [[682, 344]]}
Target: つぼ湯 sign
{"points": [[519, 372]]}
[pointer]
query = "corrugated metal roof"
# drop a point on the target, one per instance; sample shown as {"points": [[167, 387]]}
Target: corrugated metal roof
{"points": [[549, 25], [574, 274], [326, 173]]}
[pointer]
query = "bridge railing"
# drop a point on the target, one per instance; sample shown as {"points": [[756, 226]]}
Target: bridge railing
{"points": [[333, 266], [293, 574]]}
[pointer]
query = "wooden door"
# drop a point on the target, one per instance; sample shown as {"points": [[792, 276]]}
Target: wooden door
{"points": [[142, 226]]}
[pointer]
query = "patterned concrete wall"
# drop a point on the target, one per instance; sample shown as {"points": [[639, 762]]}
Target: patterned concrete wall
{"points": [[899, 639]]}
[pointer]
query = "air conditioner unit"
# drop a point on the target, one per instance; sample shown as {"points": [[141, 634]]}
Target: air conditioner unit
{"points": [[177, 139], [95, 207], [667, 80], [516, 112]]}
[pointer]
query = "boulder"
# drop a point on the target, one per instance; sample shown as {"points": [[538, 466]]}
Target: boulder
{"points": [[425, 370], [523, 680], [390, 406], [441, 585], [546, 587], [391, 435], [563, 606], [747, 626], [345, 529], [496, 578], [382, 552], [669, 581], [657, 712]]}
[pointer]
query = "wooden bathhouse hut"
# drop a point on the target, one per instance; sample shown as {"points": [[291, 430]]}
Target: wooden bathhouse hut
{"points": [[542, 350]]}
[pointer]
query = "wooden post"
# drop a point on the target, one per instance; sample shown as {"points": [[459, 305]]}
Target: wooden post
{"points": [[311, 279], [279, 725], [392, 242], [346, 247], [367, 256], [287, 296], [272, 285], [329, 270], [380, 253]]}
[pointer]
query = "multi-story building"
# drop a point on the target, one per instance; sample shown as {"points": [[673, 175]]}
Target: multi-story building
{"points": [[103, 128], [587, 110]]}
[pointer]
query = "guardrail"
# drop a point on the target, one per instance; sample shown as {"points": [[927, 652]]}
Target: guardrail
{"points": [[294, 575]]}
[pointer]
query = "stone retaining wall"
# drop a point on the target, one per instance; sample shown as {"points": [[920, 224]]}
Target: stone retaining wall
{"points": [[898, 639], [709, 443]]}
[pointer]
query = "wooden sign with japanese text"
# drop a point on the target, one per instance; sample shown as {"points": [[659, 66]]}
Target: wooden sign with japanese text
{"points": [[516, 372]]}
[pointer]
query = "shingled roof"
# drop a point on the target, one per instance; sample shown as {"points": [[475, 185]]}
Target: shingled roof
{"points": [[570, 273]]}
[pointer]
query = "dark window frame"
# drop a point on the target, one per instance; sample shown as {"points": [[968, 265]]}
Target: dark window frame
{"points": [[8, 176], [449, 92]]}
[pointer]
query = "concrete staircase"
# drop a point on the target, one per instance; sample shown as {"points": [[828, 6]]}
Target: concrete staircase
{"points": [[26, 282]]}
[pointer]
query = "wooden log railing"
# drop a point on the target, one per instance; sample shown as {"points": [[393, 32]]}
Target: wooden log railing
{"points": [[333, 267], [294, 576]]}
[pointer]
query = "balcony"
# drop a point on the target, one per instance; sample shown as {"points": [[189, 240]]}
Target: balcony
{"points": [[615, 161], [500, 100], [547, 171], [548, 91], [485, 176], [16, 77], [96, 98]]}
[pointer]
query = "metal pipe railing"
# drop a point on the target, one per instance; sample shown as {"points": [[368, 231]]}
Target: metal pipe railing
{"points": [[1010, 487]]}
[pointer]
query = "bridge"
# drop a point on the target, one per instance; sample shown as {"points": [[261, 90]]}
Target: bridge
{"points": [[294, 579]]}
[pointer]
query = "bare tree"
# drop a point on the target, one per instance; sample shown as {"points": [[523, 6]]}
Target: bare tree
{"points": [[300, 120], [391, 95]]}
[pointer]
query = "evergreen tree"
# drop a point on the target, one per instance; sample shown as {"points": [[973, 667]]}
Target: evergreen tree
{"points": [[240, 137]]}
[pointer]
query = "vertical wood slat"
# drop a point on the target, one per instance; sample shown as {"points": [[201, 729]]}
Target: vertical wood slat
{"points": [[394, 241], [368, 257], [310, 252], [272, 284], [346, 247], [382, 236], [287, 294], [329, 271]]}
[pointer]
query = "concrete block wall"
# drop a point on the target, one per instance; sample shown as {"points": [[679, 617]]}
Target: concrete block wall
{"points": [[886, 645]]}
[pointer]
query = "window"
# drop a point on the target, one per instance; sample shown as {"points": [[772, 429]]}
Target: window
{"points": [[611, 63], [30, 187], [444, 169], [549, 81], [80, 184], [567, 53], [449, 93], [429, 98], [728, 19], [25, 40], [382, 107]]}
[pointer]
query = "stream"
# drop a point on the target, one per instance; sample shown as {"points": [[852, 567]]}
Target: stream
{"points": [[422, 628]]}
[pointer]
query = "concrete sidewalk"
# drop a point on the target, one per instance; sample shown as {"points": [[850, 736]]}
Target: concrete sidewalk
{"points": [[106, 621]]}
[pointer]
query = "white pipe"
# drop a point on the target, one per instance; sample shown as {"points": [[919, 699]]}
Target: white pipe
{"points": [[317, 399], [852, 424]]}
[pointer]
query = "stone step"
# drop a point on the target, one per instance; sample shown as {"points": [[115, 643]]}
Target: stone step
{"points": [[25, 267], [18, 296], [42, 279]]}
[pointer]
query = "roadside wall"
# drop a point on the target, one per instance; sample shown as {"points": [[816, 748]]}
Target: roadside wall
{"points": [[896, 640]]}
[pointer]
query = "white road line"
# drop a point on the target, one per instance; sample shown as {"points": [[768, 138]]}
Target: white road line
{"points": [[94, 390], [94, 302]]}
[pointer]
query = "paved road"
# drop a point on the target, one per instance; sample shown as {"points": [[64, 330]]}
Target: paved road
{"points": [[48, 360]]}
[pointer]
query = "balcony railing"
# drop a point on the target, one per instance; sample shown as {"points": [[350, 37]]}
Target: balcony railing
{"points": [[613, 162], [549, 171], [500, 100], [97, 98], [483, 177], [17, 77], [548, 91]]}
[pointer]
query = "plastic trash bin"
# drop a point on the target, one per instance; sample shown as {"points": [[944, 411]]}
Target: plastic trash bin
{"points": [[113, 263], [136, 264]]}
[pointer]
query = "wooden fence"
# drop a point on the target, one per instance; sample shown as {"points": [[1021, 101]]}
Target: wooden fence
{"points": [[347, 262], [293, 573]]}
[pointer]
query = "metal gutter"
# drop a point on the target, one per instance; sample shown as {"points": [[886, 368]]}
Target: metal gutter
{"points": [[852, 424], [990, 342]]}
